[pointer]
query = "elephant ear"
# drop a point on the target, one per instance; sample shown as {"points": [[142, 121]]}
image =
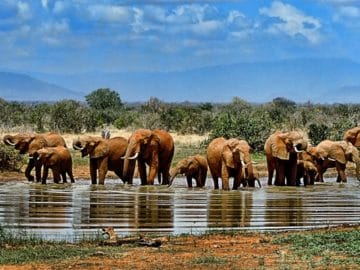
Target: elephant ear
{"points": [[337, 152], [227, 156], [278, 146], [154, 138], [101, 148]]}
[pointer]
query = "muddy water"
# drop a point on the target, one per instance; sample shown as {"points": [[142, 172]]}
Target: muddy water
{"points": [[74, 211]]}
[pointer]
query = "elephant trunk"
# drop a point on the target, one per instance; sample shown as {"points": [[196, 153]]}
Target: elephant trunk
{"points": [[128, 157]]}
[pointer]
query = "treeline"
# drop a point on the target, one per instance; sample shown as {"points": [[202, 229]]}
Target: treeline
{"points": [[241, 119]]}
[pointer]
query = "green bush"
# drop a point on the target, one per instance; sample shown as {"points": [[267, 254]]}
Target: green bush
{"points": [[10, 159]]}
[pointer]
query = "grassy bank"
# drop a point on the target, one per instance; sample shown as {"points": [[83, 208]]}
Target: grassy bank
{"points": [[321, 249]]}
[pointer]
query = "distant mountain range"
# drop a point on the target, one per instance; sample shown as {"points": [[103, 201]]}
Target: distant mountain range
{"points": [[301, 80], [20, 87]]}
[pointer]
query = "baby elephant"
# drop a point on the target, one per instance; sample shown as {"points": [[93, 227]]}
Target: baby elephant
{"points": [[193, 167], [306, 170], [58, 159]]}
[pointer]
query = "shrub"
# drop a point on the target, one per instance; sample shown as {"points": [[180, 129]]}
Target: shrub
{"points": [[10, 159]]}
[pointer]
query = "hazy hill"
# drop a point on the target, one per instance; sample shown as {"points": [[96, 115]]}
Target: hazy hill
{"points": [[301, 80], [20, 87]]}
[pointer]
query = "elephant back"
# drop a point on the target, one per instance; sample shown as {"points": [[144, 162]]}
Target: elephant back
{"points": [[54, 139]]}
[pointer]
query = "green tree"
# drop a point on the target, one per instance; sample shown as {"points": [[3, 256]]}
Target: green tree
{"points": [[106, 105]]}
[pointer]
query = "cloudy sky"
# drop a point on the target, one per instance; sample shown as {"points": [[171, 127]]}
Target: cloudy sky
{"points": [[156, 35]]}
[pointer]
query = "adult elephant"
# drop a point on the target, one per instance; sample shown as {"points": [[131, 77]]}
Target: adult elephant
{"points": [[230, 158], [59, 160], [192, 167], [28, 143], [281, 150], [330, 154], [353, 135], [153, 148], [104, 155]]}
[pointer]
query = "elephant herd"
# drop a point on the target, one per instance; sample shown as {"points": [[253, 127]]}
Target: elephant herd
{"points": [[289, 156]]}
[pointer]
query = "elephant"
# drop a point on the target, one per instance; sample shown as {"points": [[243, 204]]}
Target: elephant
{"points": [[153, 148], [307, 171], [281, 151], [104, 155], [59, 160], [330, 154], [353, 136], [193, 167], [230, 158], [30, 143]]}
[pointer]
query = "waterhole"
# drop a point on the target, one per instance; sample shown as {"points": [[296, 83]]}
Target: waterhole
{"points": [[73, 211]]}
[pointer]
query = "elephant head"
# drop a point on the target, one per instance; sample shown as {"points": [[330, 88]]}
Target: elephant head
{"points": [[25, 143], [353, 136], [237, 154], [95, 147], [44, 154], [284, 143], [137, 145], [186, 165]]}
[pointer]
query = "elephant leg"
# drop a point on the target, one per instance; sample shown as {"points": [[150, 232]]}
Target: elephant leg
{"points": [[45, 175], [63, 176], [291, 170], [280, 173], [341, 171], [56, 175], [38, 166], [142, 172], [202, 178], [165, 171], [238, 179], [189, 180], [93, 168], [29, 168], [271, 169], [71, 176], [152, 174]]}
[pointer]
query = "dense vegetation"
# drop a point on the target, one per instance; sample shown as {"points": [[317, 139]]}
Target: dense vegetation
{"points": [[241, 119]]}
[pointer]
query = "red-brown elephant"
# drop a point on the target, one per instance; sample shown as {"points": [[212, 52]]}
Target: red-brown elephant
{"points": [[230, 158], [192, 167], [281, 150], [59, 160], [153, 148], [30, 143], [335, 154], [104, 155]]}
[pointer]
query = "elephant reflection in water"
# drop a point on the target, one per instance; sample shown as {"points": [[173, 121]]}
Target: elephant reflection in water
{"points": [[154, 210], [50, 207], [284, 212], [107, 207], [227, 209]]}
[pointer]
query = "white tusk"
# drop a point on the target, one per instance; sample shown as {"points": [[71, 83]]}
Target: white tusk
{"points": [[297, 151], [133, 157], [10, 143], [254, 162], [243, 164], [331, 159], [78, 148]]}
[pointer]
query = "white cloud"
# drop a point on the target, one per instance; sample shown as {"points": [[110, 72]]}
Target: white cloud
{"points": [[44, 3], [23, 10], [349, 11], [293, 22], [53, 32], [109, 13], [59, 7]]}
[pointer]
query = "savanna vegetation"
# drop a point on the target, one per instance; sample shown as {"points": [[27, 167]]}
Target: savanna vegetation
{"points": [[239, 118]]}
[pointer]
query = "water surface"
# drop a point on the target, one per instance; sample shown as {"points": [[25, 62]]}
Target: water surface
{"points": [[73, 211]]}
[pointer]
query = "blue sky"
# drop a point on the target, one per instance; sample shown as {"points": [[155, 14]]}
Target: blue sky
{"points": [[85, 35]]}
